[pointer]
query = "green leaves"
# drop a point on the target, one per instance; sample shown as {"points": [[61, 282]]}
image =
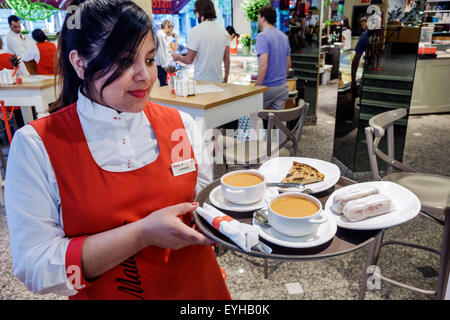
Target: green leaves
{"points": [[245, 40], [28, 10], [15, 61], [250, 8]]}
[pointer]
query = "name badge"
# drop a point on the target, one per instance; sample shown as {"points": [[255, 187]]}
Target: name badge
{"points": [[183, 167]]}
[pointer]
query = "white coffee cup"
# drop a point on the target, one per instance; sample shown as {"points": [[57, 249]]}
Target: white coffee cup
{"points": [[296, 226], [244, 195]]}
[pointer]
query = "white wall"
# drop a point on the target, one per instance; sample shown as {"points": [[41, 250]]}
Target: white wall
{"points": [[240, 23]]}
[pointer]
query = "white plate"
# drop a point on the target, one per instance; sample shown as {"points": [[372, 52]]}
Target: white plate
{"points": [[406, 206], [276, 170], [217, 200], [324, 233]]}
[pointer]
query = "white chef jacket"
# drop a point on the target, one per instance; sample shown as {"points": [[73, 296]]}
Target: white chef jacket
{"points": [[33, 205], [15, 43], [163, 57], [32, 53]]}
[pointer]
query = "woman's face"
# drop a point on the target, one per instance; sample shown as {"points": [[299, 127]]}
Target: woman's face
{"points": [[130, 92]]}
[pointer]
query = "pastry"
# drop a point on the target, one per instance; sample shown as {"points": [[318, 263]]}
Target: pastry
{"points": [[303, 173], [366, 207]]}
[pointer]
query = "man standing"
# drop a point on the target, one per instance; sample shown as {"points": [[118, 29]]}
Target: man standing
{"points": [[360, 48], [273, 51], [15, 41], [165, 46], [208, 45]]}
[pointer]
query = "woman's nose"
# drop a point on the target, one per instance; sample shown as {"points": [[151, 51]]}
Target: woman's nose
{"points": [[143, 73]]}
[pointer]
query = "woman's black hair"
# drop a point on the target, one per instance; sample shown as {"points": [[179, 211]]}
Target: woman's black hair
{"points": [[39, 36], [346, 23], [107, 33], [231, 31]]}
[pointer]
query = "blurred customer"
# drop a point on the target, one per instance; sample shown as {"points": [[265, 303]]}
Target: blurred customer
{"points": [[272, 49], [44, 53], [208, 45], [234, 39], [346, 34], [360, 48], [165, 46], [15, 41]]}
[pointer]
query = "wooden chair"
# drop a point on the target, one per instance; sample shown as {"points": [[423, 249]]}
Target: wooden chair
{"points": [[254, 152], [433, 192]]}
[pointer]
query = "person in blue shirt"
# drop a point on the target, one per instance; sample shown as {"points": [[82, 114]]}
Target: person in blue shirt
{"points": [[360, 48]]}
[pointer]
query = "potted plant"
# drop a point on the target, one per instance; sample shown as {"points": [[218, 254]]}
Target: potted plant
{"points": [[250, 9], [15, 62], [246, 42]]}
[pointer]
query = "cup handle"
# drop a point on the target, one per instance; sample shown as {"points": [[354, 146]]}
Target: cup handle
{"points": [[239, 193], [318, 221]]}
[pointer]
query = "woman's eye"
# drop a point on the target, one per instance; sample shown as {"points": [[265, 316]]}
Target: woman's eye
{"points": [[150, 61]]}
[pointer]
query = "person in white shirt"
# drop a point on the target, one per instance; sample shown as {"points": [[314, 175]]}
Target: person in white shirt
{"points": [[346, 34], [208, 45], [165, 48], [15, 41], [94, 208]]}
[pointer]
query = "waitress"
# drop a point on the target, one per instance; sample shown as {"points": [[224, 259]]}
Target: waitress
{"points": [[234, 39], [44, 53], [94, 208]]}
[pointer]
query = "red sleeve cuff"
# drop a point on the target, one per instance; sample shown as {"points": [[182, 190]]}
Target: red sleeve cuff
{"points": [[73, 263]]}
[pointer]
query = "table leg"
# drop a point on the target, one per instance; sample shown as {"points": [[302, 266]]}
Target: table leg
{"points": [[27, 114], [372, 259]]}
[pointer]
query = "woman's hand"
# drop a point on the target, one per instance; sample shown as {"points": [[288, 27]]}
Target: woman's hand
{"points": [[164, 228]]}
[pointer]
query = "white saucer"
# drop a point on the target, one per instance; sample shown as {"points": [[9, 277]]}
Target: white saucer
{"points": [[217, 200], [324, 233]]}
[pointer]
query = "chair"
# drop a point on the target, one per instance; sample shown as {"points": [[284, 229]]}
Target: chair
{"points": [[254, 152], [434, 201]]}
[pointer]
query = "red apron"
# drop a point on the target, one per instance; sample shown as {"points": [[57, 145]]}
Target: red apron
{"points": [[94, 200], [47, 60]]}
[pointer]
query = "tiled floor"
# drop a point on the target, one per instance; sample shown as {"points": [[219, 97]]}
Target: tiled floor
{"points": [[426, 149]]}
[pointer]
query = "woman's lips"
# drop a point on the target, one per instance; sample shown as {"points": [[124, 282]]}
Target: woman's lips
{"points": [[139, 93]]}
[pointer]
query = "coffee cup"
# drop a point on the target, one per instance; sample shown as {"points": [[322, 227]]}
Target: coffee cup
{"points": [[243, 186], [295, 214]]}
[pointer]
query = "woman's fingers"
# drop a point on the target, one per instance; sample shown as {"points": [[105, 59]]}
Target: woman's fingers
{"points": [[182, 208], [194, 237]]}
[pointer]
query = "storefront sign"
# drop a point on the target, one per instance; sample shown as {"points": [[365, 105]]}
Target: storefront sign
{"points": [[168, 6]]}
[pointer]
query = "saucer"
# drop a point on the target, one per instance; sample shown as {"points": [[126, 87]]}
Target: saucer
{"points": [[216, 198], [324, 233]]}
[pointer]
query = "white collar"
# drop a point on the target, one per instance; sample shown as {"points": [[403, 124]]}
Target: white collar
{"points": [[95, 111]]}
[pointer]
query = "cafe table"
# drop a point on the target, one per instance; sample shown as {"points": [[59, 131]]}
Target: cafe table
{"points": [[343, 242], [214, 108], [36, 90]]}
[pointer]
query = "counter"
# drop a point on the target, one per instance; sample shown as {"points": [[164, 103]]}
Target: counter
{"points": [[430, 91]]}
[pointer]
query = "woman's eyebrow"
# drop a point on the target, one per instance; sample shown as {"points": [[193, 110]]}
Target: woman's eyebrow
{"points": [[152, 51]]}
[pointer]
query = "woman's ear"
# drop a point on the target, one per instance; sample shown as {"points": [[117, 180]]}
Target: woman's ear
{"points": [[78, 63]]}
